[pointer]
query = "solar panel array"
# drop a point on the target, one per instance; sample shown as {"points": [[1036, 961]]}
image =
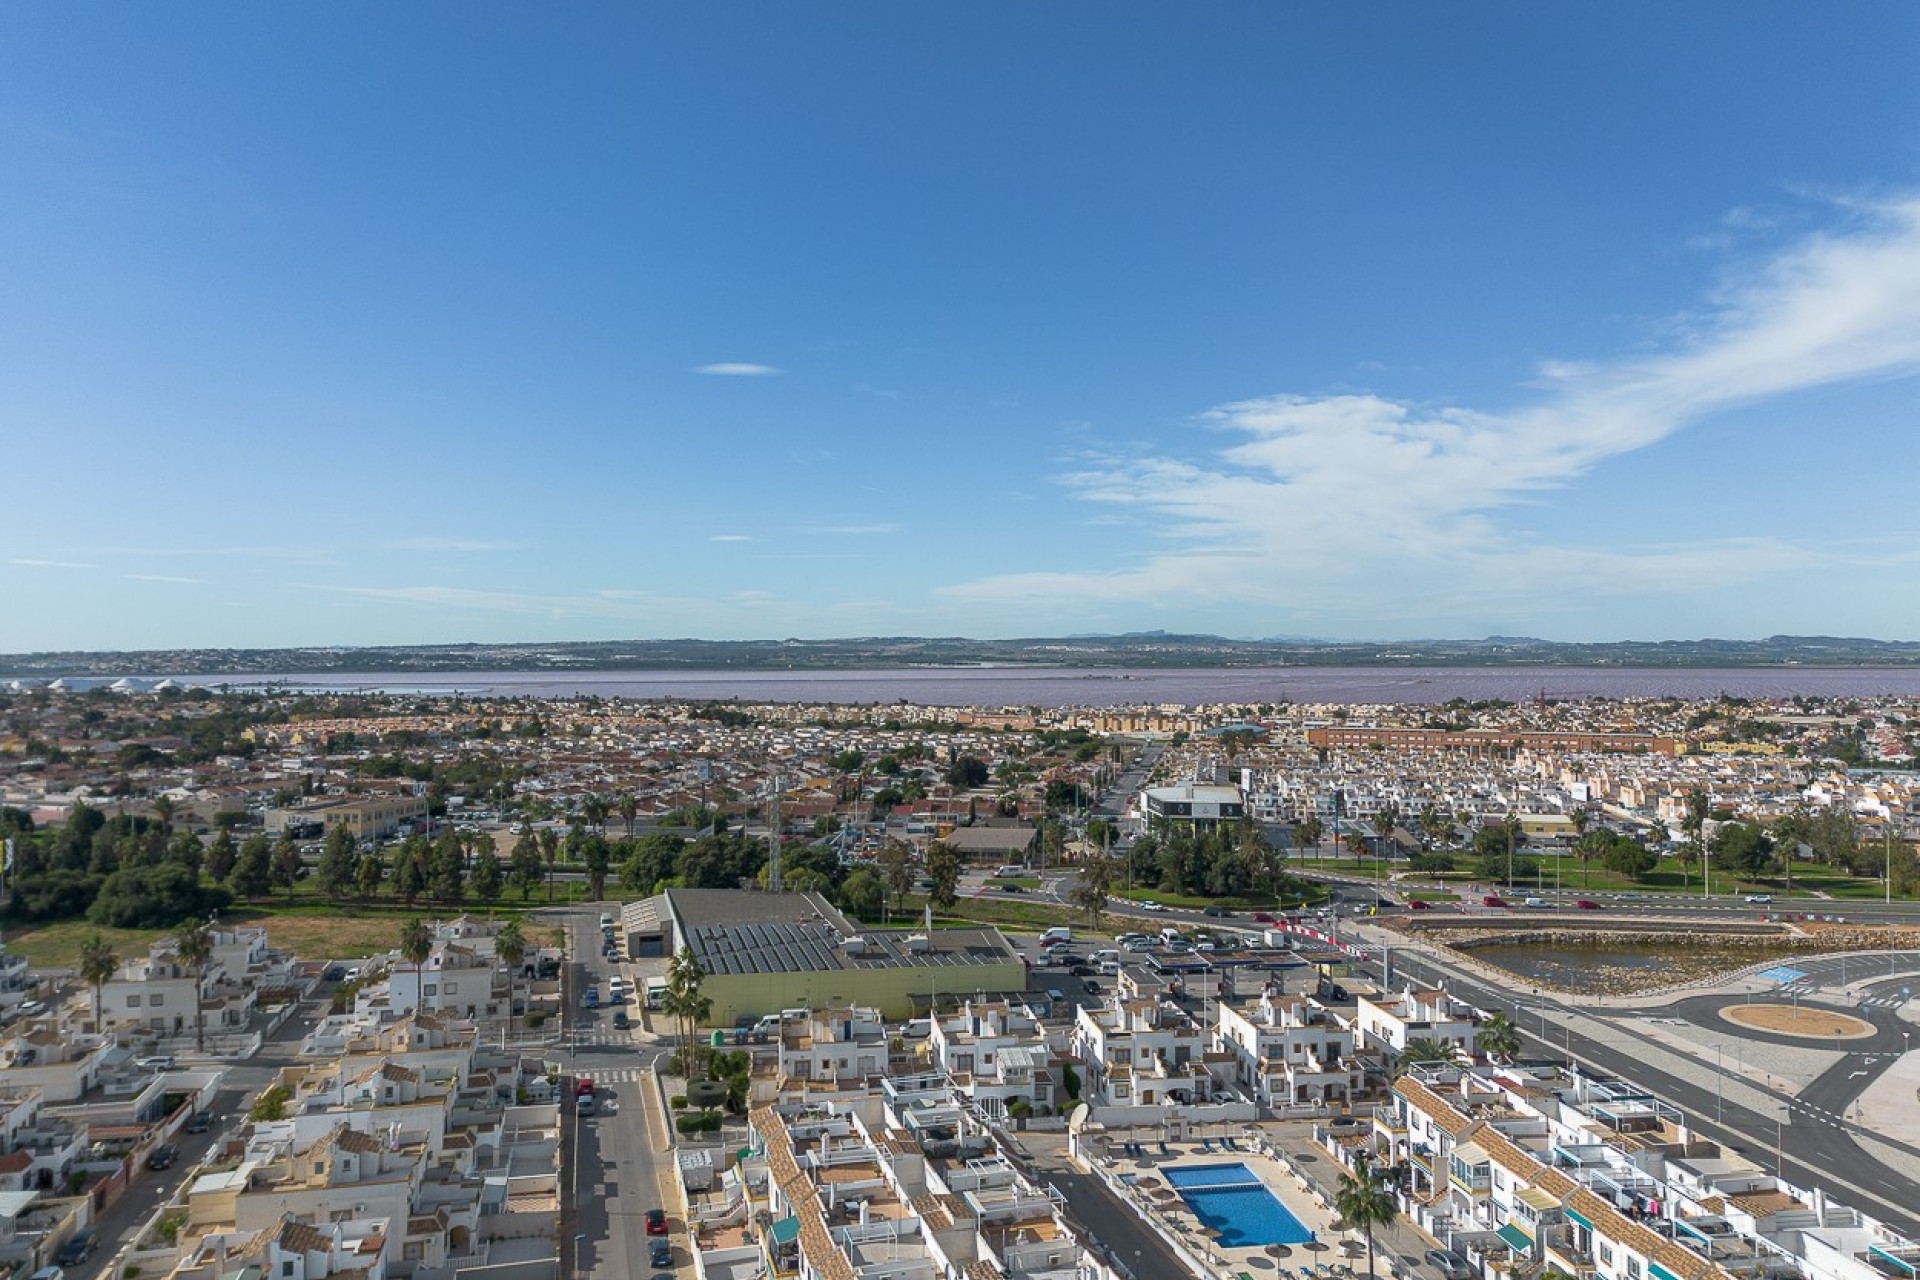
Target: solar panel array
{"points": [[786, 947]]}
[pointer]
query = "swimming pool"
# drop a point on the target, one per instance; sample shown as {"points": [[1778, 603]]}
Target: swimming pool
{"points": [[1227, 1198]]}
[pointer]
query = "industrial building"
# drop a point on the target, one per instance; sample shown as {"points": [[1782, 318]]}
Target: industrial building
{"points": [[764, 952]]}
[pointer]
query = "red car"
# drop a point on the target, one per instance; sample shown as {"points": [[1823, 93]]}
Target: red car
{"points": [[1493, 900], [584, 1089], [1262, 917], [656, 1222], [1416, 905], [1587, 904]]}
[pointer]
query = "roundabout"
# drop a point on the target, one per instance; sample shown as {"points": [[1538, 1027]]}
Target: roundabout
{"points": [[1804, 1021]]}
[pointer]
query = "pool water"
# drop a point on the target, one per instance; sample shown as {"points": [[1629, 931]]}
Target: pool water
{"points": [[1227, 1198]]}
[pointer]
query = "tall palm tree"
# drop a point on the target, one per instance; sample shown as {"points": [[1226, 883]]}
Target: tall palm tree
{"points": [[1498, 1037], [416, 944], [594, 809], [1424, 1051], [193, 943], [629, 806], [550, 853], [685, 1003], [98, 964], [511, 946], [1364, 1202]]}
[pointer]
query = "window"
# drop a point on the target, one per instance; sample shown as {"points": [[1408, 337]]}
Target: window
{"points": [[156, 1000], [433, 988], [133, 1002], [1633, 1268], [286, 1267]]}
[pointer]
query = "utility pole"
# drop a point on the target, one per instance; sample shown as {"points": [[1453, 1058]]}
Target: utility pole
{"points": [[774, 884]]}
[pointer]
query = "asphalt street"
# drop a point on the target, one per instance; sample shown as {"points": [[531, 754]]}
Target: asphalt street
{"points": [[1811, 1149], [613, 1171]]}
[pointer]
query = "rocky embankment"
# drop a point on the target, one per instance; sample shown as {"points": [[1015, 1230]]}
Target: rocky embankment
{"points": [[1684, 955]]}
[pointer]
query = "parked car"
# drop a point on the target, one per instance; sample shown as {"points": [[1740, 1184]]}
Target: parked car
{"points": [[200, 1122], [583, 1087], [1012, 888], [1216, 912], [1761, 898], [1261, 917], [583, 1105], [621, 1021], [78, 1249], [162, 1063], [660, 1253], [1587, 904], [48, 1273], [163, 1156], [1493, 900], [1449, 1263], [656, 1222], [1415, 904]]}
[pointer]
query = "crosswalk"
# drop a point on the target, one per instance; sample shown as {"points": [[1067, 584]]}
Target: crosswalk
{"points": [[618, 1075]]}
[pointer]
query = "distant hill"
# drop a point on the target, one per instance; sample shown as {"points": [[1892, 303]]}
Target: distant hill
{"points": [[1147, 649]]}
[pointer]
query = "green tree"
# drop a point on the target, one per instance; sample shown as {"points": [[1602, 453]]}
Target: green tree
{"points": [[1743, 847], [368, 872], [338, 859], [968, 772], [98, 964], [685, 1004], [1364, 1202], [943, 869], [410, 870], [287, 865], [253, 869], [523, 864], [488, 880], [222, 855], [1627, 857], [1310, 832], [597, 856], [193, 944], [864, 894], [1092, 887], [549, 854], [1498, 1037], [896, 868], [1422, 1051], [416, 944], [510, 945], [270, 1105]]}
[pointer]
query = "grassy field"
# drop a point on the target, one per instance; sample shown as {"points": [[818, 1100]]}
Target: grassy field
{"points": [[307, 927], [1568, 873]]}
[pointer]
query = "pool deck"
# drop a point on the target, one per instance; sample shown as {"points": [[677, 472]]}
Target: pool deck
{"points": [[1145, 1186]]}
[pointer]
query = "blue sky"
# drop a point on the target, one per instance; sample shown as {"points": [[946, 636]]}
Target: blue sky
{"points": [[379, 324]]}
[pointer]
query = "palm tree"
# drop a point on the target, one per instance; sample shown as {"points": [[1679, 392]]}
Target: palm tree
{"points": [[595, 809], [550, 852], [416, 944], [685, 1003], [511, 946], [193, 943], [629, 807], [1364, 1202], [98, 964], [1499, 1038]]}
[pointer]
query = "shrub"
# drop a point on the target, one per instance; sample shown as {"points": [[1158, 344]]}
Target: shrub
{"points": [[677, 1101], [698, 1122]]}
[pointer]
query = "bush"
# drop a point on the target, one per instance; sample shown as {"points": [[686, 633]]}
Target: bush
{"points": [[156, 897], [536, 1020], [701, 1122], [677, 1101]]}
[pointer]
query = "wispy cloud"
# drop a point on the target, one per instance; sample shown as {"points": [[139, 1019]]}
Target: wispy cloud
{"points": [[736, 369], [29, 563], [1380, 503], [165, 577], [434, 545], [853, 530], [732, 537], [883, 393]]}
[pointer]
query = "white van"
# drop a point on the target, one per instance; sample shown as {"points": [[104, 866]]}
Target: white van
{"points": [[1109, 969], [656, 992], [1169, 936], [616, 989], [1008, 871], [1537, 902], [1059, 933], [1101, 957]]}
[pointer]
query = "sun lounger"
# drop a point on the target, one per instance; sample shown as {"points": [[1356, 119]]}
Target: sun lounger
{"points": [[1164, 1149], [1206, 1145]]}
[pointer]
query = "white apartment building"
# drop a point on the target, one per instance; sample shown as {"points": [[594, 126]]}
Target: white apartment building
{"points": [[1289, 1049], [1391, 1022]]}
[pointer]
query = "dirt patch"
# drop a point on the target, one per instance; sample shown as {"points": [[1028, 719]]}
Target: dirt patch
{"points": [[1810, 1021]]}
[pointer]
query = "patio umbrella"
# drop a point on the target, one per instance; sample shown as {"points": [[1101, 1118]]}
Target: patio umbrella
{"points": [[1315, 1245], [1279, 1251]]}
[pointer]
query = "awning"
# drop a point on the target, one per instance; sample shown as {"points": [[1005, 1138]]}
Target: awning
{"points": [[1516, 1239], [1660, 1273], [1539, 1201], [785, 1231], [1576, 1216]]}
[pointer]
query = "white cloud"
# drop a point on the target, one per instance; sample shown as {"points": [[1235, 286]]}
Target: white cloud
{"points": [[731, 537], [854, 530], [1385, 504], [27, 563], [433, 544], [735, 369], [165, 577]]}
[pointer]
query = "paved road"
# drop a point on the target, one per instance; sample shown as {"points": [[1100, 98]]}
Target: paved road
{"points": [[1810, 1148], [115, 1228], [614, 1172]]}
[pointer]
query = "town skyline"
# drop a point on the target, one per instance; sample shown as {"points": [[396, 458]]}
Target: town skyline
{"points": [[1262, 322]]}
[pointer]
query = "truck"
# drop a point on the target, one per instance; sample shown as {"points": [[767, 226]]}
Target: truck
{"points": [[656, 992]]}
